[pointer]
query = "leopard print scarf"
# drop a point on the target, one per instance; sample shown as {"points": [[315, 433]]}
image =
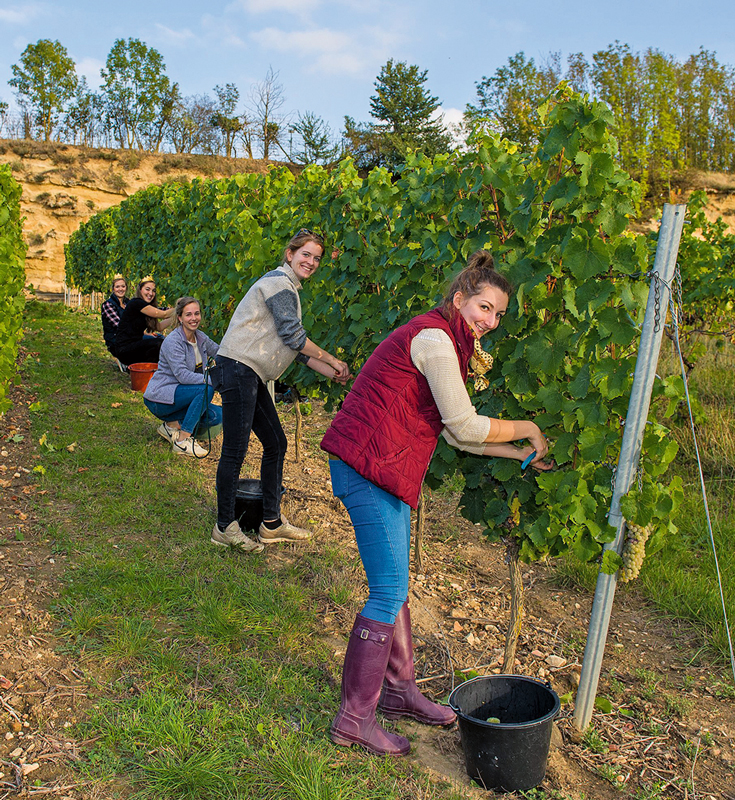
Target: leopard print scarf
{"points": [[480, 363]]}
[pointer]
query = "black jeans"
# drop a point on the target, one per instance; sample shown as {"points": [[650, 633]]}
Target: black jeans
{"points": [[247, 406], [144, 351]]}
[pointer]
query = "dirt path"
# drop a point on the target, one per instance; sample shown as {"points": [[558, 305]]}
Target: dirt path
{"points": [[42, 691]]}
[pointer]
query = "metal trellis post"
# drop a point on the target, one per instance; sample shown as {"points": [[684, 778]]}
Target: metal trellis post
{"points": [[672, 223]]}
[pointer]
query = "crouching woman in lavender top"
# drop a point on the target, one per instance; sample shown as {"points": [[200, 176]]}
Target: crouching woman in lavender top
{"points": [[177, 392], [410, 391]]}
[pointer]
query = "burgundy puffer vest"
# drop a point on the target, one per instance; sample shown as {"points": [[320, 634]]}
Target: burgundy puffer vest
{"points": [[389, 424]]}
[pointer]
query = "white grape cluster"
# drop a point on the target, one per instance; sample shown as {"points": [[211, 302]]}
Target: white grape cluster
{"points": [[634, 550]]}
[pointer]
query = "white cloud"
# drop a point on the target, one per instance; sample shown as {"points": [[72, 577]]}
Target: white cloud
{"points": [[513, 27], [21, 14], [307, 42], [330, 52], [170, 36], [453, 121], [90, 68], [220, 30], [289, 6], [450, 116]]}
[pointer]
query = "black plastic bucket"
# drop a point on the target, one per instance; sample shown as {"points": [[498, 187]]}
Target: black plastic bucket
{"points": [[249, 503], [509, 755]]}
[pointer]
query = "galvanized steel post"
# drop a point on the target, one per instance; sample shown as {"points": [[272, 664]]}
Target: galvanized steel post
{"points": [[672, 223]]}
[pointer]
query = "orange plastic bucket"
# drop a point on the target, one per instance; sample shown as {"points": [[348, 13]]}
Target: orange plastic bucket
{"points": [[140, 374]]}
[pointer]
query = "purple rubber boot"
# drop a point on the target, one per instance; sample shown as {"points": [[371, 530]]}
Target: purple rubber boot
{"points": [[362, 677], [400, 696]]}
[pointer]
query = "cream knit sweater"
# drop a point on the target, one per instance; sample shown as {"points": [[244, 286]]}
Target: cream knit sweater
{"points": [[434, 356]]}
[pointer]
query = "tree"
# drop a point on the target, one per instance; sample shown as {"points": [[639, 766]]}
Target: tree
{"points": [[225, 117], [406, 114], [266, 100], [137, 93], [706, 101], [3, 114], [617, 78], [191, 128], [659, 86], [366, 144], [577, 74], [45, 80], [315, 135], [154, 132], [508, 101], [82, 120]]}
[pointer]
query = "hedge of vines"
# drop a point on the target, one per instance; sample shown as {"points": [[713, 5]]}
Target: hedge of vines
{"points": [[12, 279], [556, 219], [707, 263]]}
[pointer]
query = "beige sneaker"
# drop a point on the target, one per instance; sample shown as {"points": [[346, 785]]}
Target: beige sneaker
{"points": [[285, 532], [232, 536], [188, 447], [169, 434]]}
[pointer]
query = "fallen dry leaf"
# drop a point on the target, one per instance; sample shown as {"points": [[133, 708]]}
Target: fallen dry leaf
{"points": [[116, 405], [71, 447]]}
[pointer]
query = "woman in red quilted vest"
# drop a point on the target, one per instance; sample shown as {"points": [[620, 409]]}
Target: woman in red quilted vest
{"points": [[410, 391]]}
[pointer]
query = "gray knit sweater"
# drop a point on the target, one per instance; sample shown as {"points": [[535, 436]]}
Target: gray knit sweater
{"points": [[265, 331]]}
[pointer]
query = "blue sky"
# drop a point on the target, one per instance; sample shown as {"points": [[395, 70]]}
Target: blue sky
{"points": [[328, 52]]}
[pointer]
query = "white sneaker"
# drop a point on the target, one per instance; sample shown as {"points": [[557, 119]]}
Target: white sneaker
{"points": [[232, 536], [169, 434], [188, 447]]}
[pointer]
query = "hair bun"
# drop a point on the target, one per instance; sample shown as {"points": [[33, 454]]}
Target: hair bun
{"points": [[481, 259]]}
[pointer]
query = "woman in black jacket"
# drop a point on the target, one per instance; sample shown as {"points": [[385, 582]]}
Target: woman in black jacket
{"points": [[112, 310], [141, 315]]}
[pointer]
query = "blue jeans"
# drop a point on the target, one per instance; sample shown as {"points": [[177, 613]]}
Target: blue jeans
{"points": [[382, 525], [247, 406], [187, 407]]}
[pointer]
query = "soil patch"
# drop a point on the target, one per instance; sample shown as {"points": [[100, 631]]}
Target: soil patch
{"points": [[43, 692]]}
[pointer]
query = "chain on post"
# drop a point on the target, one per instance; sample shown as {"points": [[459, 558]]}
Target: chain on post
{"points": [[677, 306], [656, 301]]}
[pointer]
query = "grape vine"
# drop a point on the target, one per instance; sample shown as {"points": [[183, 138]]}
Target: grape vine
{"points": [[12, 279], [556, 218]]}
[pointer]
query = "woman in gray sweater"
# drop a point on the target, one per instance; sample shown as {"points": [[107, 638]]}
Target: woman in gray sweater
{"points": [[265, 336], [176, 392]]}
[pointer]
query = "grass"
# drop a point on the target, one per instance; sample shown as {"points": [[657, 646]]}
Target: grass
{"points": [[218, 680], [681, 579]]}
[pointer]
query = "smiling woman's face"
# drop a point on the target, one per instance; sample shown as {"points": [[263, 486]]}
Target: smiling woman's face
{"points": [[484, 310], [305, 260], [148, 291], [190, 317]]}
